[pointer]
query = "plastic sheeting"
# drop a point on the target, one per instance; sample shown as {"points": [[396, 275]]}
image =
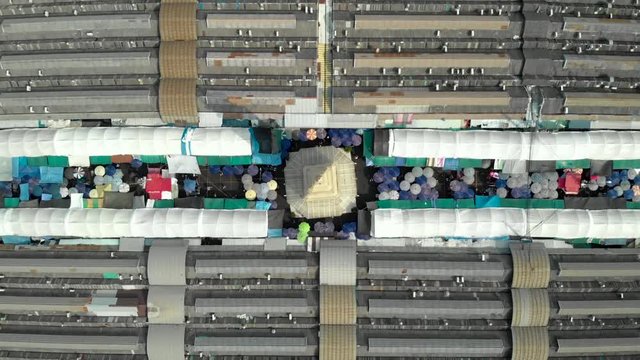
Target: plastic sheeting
{"points": [[499, 222], [148, 223], [125, 140], [513, 145]]}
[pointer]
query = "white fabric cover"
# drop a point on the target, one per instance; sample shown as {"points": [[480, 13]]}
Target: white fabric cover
{"points": [[150, 223], [486, 223], [514, 145], [124, 140]]}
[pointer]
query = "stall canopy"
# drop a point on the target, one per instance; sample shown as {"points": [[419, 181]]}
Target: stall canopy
{"points": [[152, 223], [514, 145], [500, 222], [125, 140]]}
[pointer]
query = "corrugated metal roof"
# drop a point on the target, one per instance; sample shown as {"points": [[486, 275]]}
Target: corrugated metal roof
{"points": [[601, 62], [255, 306], [27, 25], [438, 270], [165, 342], [166, 264], [604, 25], [436, 347], [250, 59], [448, 309], [69, 343], [530, 307], [338, 342], [586, 99], [599, 270], [428, 98], [446, 60], [78, 63], [251, 21], [250, 268], [530, 343], [45, 304], [43, 266], [599, 346], [598, 307], [258, 346], [165, 304], [337, 262], [244, 98], [431, 22], [337, 305]]}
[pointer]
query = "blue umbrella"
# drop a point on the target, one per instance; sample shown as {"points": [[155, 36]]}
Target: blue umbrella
{"points": [[214, 169], [110, 170], [136, 163], [227, 170], [267, 176], [378, 177], [238, 170], [405, 195], [253, 170]]}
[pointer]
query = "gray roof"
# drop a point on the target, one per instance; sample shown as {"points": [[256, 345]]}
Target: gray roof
{"points": [[165, 342], [70, 267], [337, 262], [256, 306], [166, 264], [258, 346], [71, 343], [438, 270], [436, 347], [165, 304], [440, 309], [250, 268]]}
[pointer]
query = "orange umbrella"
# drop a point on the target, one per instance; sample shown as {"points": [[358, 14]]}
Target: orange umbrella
{"points": [[312, 134]]}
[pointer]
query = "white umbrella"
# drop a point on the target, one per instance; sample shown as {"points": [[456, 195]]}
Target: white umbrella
{"points": [[536, 188], [432, 182], [64, 192], [272, 195], [553, 194], [625, 185], [551, 175], [124, 188], [415, 189], [468, 179], [553, 185], [593, 186], [394, 195], [427, 172], [247, 179], [601, 181], [469, 172], [544, 193], [405, 185], [502, 193], [512, 183], [272, 184], [99, 170], [416, 171], [632, 174], [248, 186], [409, 177], [98, 180], [618, 190], [383, 196]]}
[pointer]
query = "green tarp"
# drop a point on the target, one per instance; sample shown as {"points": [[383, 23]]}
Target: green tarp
{"points": [[213, 203], [419, 204], [100, 160], [37, 161], [58, 161], [626, 164], [11, 202], [162, 204], [573, 164], [229, 160], [153, 159]]}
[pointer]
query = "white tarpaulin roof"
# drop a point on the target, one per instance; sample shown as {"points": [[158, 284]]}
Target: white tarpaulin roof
{"points": [[125, 140], [514, 145], [486, 223], [150, 223]]}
